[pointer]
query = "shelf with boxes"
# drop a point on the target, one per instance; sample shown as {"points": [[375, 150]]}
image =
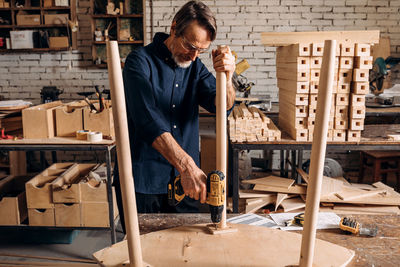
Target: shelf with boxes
{"points": [[123, 21], [37, 25]]}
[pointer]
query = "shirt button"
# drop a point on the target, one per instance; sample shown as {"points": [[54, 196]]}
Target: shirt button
{"points": [[176, 85], [173, 106], [174, 126]]}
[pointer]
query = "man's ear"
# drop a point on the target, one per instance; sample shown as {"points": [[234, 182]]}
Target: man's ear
{"points": [[173, 27]]}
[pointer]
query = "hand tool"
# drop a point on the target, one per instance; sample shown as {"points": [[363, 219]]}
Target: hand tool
{"points": [[352, 226], [93, 109], [101, 100], [215, 193], [297, 220]]}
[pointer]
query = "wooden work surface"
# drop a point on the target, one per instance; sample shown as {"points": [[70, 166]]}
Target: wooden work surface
{"points": [[55, 141], [382, 250]]}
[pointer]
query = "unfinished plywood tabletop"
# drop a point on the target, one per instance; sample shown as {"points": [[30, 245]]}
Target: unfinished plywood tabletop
{"points": [[382, 250], [55, 141]]}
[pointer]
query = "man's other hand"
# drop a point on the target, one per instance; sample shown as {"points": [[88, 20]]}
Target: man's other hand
{"points": [[193, 181], [224, 61]]}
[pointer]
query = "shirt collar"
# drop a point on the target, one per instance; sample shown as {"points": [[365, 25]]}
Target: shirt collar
{"points": [[162, 50]]}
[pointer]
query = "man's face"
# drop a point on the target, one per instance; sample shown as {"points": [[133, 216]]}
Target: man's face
{"points": [[186, 48]]}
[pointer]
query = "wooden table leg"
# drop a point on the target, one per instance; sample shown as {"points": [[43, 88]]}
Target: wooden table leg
{"points": [[377, 170]]}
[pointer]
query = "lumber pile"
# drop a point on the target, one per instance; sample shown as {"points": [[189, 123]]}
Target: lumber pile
{"points": [[337, 194], [249, 124], [298, 73]]}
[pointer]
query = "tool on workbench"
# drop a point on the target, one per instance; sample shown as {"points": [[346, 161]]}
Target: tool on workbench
{"points": [[93, 109], [101, 99], [215, 193], [352, 226], [297, 220], [239, 81]]}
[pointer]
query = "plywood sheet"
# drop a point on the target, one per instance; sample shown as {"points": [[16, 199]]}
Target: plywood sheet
{"points": [[272, 181], [188, 245]]}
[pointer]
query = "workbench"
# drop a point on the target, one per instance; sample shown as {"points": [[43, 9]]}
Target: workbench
{"points": [[373, 138], [382, 250], [68, 144]]}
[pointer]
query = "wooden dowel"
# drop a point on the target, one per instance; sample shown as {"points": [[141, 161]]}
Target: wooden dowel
{"points": [[221, 133], [318, 153], [124, 154]]}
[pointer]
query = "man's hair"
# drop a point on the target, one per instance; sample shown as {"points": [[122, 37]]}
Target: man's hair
{"points": [[195, 11]]}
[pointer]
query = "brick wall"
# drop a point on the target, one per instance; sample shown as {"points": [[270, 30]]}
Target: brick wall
{"points": [[240, 23]]}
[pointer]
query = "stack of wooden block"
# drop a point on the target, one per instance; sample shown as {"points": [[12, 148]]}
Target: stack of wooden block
{"points": [[298, 74], [249, 124]]}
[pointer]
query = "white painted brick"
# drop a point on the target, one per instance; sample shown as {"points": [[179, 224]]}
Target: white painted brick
{"points": [[233, 22], [254, 2], [290, 15], [29, 56], [336, 2], [265, 28], [312, 15], [278, 22], [378, 2], [3, 72], [388, 10], [365, 9], [291, 2], [241, 42], [356, 2], [228, 9], [387, 22], [301, 9], [343, 9], [4, 83], [365, 23], [255, 9], [300, 22], [7, 57], [285, 29], [164, 3], [258, 22], [343, 22], [268, 2], [312, 2], [19, 70], [307, 28], [338, 16], [394, 3], [279, 9], [320, 22], [321, 9], [355, 16]]}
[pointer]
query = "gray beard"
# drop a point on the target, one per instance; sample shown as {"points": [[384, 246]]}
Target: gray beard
{"points": [[181, 64]]}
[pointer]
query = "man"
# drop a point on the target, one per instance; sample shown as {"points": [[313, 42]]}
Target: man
{"points": [[165, 82]]}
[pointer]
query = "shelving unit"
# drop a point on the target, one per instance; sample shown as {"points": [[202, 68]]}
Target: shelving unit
{"points": [[126, 27], [34, 15]]}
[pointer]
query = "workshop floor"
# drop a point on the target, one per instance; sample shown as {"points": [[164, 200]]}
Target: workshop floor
{"points": [[85, 243]]}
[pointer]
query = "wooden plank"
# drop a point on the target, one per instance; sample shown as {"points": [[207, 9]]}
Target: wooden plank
{"points": [[295, 189], [381, 49], [253, 194], [301, 64], [294, 86], [17, 162], [288, 38], [292, 51], [288, 74], [352, 193], [366, 209], [273, 181], [292, 110], [293, 204], [261, 202], [293, 98], [279, 198]]}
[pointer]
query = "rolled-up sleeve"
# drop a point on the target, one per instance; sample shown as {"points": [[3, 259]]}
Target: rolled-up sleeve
{"points": [[140, 102]]}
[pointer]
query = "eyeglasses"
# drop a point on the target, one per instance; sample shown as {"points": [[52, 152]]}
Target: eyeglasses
{"points": [[191, 47]]}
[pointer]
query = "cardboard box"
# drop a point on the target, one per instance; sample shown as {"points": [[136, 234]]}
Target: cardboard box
{"points": [[42, 217], [13, 208], [68, 120], [58, 42], [39, 190], [28, 19], [39, 121], [21, 39], [99, 122], [52, 19]]}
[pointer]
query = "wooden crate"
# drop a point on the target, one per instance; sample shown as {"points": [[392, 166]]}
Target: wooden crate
{"points": [[13, 208], [41, 217], [67, 187], [39, 121], [68, 214], [68, 120], [99, 122], [363, 62], [360, 88], [39, 190]]}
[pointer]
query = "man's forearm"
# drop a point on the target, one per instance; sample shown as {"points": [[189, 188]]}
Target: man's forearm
{"points": [[230, 95], [172, 152]]}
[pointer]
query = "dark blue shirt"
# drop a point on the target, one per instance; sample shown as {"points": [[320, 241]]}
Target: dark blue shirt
{"points": [[162, 97]]}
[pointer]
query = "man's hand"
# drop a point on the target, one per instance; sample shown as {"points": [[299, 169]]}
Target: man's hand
{"points": [[224, 61], [193, 181]]}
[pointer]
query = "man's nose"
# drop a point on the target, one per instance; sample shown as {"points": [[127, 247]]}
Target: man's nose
{"points": [[194, 54]]}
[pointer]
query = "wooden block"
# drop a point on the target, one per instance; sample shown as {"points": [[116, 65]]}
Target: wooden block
{"points": [[314, 75], [67, 123], [311, 111], [271, 180], [38, 121], [296, 122], [357, 100], [346, 50], [293, 51], [317, 49], [41, 217], [353, 135], [292, 204], [362, 50], [316, 62], [68, 214], [313, 100], [314, 85], [311, 134], [340, 124], [346, 63], [343, 87], [290, 109], [310, 123], [296, 87], [356, 124], [289, 74], [357, 112], [363, 62], [301, 64], [293, 98], [345, 75], [341, 112], [360, 88], [13, 208], [342, 99], [360, 75]]}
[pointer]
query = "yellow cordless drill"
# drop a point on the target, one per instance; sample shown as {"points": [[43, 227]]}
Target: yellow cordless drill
{"points": [[215, 193]]}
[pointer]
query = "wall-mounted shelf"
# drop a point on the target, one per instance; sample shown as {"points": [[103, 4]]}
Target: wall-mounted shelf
{"points": [[127, 28]]}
